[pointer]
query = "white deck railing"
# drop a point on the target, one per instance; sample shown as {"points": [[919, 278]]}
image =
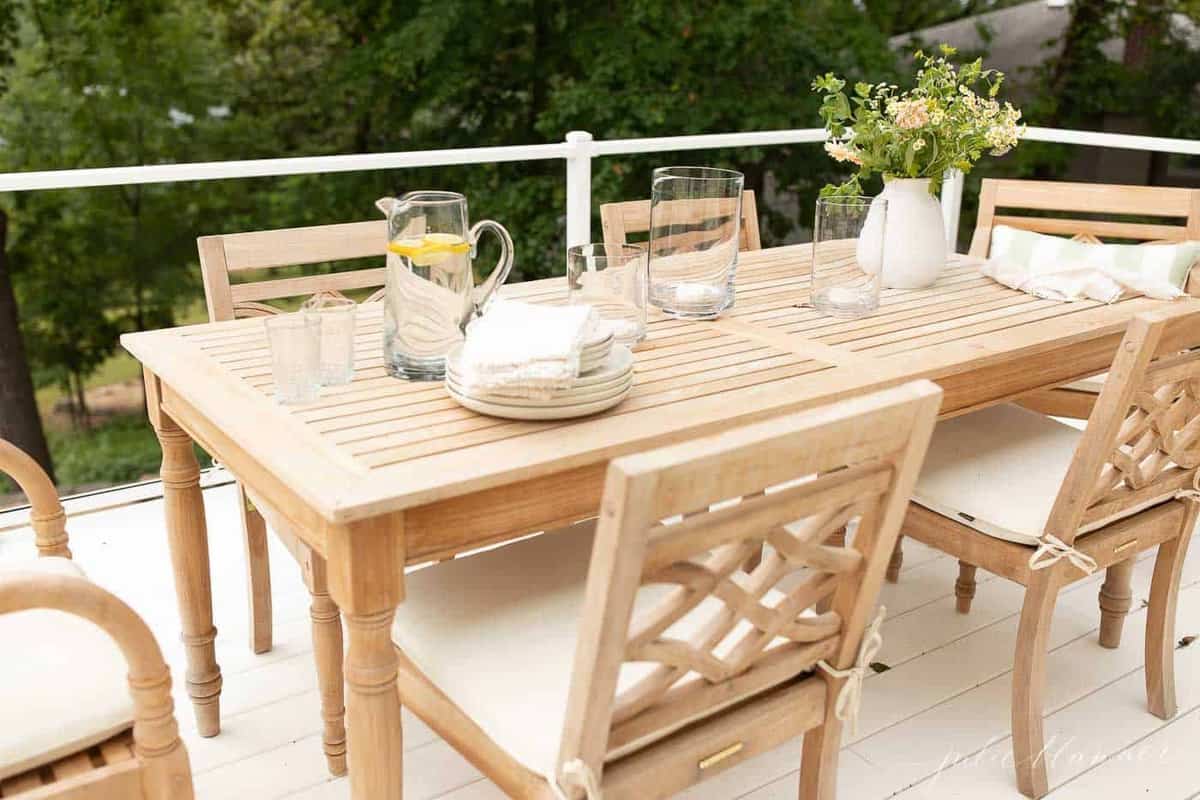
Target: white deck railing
{"points": [[578, 150]]}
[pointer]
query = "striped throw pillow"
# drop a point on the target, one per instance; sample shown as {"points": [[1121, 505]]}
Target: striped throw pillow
{"points": [[1138, 263]]}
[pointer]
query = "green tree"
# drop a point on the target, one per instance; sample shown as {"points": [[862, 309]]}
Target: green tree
{"points": [[1158, 79], [20, 422], [104, 83], [377, 75], [894, 17]]}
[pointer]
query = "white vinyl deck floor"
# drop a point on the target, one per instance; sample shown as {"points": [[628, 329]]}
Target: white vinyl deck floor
{"points": [[934, 726]]}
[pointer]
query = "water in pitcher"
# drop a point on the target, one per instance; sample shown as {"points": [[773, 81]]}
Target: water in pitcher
{"points": [[432, 301]]}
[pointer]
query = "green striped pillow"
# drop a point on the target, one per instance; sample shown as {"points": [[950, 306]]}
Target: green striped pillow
{"points": [[1038, 253]]}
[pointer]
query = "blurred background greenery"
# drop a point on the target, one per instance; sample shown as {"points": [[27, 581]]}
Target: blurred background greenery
{"points": [[95, 83]]}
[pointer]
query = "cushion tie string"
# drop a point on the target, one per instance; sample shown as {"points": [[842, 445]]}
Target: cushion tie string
{"points": [[849, 699], [1051, 550], [1193, 493], [576, 775]]}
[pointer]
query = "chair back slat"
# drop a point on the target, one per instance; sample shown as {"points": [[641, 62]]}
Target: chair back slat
{"points": [[678, 625], [224, 254], [311, 245], [292, 287], [1168, 203], [1142, 442], [619, 220], [1096, 229]]}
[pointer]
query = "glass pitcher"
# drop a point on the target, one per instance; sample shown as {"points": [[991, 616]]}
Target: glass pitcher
{"points": [[431, 293]]}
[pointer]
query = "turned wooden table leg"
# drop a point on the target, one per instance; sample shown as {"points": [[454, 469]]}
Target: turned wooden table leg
{"points": [[187, 536], [1116, 598], [366, 573], [964, 587], [328, 653], [373, 711]]}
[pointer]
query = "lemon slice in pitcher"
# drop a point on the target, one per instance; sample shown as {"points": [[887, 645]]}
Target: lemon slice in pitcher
{"points": [[431, 249]]}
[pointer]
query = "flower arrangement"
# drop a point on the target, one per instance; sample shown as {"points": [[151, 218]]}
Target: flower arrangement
{"points": [[939, 124]]}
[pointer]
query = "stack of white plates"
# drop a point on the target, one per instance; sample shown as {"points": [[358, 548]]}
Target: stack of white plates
{"points": [[595, 390], [595, 351]]}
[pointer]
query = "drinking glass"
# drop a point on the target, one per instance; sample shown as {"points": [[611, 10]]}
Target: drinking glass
{"points": [[612, 279], [295, 341], [848, 242], [695, 225], [335, 315]]}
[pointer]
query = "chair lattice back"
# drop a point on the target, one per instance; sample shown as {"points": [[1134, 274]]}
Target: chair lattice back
{"points": [[680, 623], [1142, 443], [1179, 210], [719, 621], [266, 250]]}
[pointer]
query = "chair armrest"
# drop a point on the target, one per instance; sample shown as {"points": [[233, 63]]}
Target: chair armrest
{"points": [[155, 732], [47, 517]]}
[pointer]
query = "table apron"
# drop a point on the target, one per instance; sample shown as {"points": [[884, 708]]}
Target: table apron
{"points": [[444, 528], [307, 524], [441, 529], [1000, 382]]}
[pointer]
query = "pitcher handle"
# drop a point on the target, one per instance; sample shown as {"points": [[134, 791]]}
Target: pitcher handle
{"points": [[484, 291]]}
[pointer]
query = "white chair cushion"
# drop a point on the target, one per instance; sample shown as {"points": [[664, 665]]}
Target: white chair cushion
{"points": [[62, 681], [496, 633], [997, 470]]}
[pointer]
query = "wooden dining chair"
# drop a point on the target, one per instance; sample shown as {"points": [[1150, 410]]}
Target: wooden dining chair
{"points": [[1177, 214], [633, 655], [618, 220], [263, 251], [1039, 502], [85, 696]]}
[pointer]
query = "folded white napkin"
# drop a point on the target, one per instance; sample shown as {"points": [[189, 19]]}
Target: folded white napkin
{"points": [[523, 349], [1061, 269]]}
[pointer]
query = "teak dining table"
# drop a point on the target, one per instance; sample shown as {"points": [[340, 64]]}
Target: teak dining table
{"points": [[383, 473]]}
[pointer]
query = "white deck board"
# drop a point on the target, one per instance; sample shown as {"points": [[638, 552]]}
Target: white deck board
{"points": [[934, 727]]}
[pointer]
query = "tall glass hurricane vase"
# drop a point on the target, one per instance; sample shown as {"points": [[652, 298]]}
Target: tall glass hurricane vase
{"points": [[695, 227], [847, 255]]}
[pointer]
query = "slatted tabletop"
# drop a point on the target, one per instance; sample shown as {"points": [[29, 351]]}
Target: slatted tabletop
{"points": [[380, 444]]}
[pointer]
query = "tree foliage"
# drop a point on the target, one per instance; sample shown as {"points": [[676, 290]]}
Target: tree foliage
{"points": [[112, 82], [107, 83]]}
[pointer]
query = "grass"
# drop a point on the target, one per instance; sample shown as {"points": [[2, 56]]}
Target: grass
{"points": [[121, 449], [118, 368]]}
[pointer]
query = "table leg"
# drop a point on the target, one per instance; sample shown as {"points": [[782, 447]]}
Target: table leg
{"points": [[372, 708], [366, 573], [187, 536]]}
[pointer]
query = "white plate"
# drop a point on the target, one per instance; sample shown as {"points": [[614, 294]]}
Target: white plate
{"points": [[569, 395], [589, 364], [618, 364], [600, 335], [537, 413], [596, 352], [574, 398]]}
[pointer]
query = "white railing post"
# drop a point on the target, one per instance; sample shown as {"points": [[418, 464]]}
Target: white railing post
{"points": [[579, 188], [952, 189]]}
